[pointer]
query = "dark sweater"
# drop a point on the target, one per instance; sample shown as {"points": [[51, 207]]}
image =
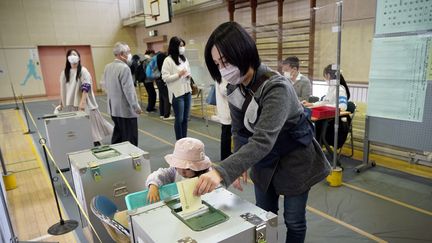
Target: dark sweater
{"points": [[279, 106]]}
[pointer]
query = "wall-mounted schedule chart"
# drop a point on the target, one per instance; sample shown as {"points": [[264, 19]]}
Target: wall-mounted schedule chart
{"points": [[395, 16], [398, 79], [399, 107]]}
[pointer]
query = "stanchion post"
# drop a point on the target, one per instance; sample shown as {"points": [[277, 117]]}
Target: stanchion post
{"points": [[3, 163], [15, 98], [63, 226], [25, 114], [14, 238], [9, 177]]}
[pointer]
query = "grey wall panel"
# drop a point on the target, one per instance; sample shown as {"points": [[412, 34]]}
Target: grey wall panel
{"points": [[406, 134]]}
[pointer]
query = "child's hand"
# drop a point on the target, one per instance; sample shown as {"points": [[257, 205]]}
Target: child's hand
{"points": [[153, 194]]}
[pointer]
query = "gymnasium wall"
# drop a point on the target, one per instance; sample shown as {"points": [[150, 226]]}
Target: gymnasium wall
{"points": [[27, 24], [357, 31]]}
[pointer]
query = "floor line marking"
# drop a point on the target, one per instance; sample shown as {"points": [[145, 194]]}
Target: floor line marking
{"points": [[147, 133], [168, 123], [156, 137], [189, 130], [11, 132], [34, 168], [21, 161], [385, 198], [40, 238], [349, 226]]}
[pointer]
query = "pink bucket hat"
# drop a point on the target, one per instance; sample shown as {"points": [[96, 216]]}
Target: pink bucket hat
{"points": [[189, 154]]}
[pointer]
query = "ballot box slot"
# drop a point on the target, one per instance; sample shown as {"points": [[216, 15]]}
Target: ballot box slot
{"points": [[204, 218], [105, 152]]}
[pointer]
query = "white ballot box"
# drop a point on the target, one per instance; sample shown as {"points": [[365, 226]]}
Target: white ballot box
{"points": [[227, 218], [67, 132], [111, 171]]}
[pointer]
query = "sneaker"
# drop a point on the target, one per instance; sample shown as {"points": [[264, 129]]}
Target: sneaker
{"points": [[161, 117], [168, 118]]}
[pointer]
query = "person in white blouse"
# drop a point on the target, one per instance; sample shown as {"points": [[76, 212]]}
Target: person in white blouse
{"points": [[330, 97], [176, 74], [224, 117], [76, 93]]}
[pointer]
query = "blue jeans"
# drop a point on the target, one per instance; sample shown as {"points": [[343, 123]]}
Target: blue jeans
{"points": [[294, 211], [181, 106]]}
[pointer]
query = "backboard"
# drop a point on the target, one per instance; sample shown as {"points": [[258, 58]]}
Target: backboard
{"points": [[157, 12]]}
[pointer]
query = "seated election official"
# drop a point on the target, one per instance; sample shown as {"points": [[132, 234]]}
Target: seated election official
{"points": [[330, 99]]}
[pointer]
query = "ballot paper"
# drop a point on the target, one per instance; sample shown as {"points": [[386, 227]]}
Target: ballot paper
{"points": [[189, 202]]}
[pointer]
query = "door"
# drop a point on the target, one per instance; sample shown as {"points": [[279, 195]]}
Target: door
{"points": [[156, 46], [53, 61]]}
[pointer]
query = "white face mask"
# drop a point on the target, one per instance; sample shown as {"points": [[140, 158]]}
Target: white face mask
{"points": [[129, 58], [287, 75], [73, 59], [182, 50], [231, 74]]}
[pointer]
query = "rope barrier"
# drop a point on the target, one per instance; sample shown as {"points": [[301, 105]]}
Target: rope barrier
{"points": [[42, 141]]}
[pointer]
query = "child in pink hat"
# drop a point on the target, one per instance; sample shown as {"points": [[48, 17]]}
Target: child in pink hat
{"points": [[188, 160]]}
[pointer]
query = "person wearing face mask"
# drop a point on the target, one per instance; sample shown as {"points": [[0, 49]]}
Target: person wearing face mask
{"points": [[76, 93], [272, 135], [301, 83], [122, 100], [330, 97], [176, 74]]}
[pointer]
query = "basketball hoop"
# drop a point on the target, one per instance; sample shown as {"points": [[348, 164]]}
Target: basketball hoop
{"points": [[157, 12]]}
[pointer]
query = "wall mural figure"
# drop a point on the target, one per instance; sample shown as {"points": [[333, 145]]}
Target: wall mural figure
{"points": [[31, 71]]}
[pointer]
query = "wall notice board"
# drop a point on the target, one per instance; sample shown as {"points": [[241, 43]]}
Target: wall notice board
{"points": [[400, 82]]}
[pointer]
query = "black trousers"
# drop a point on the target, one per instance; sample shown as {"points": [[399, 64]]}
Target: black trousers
{"points": [[225, 141], [125, 129], [164, 104], [151, 92]]}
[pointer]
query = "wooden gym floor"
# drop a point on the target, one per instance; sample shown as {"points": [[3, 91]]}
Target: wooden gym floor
{"points": [[31, 205]]}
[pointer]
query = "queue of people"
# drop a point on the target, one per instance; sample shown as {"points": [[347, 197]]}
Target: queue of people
{"points": [[262, 110]]}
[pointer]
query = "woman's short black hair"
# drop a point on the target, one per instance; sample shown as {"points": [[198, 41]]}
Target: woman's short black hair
{"points": [[333, 75], [235, 45], [173, 49]]}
